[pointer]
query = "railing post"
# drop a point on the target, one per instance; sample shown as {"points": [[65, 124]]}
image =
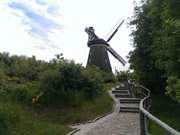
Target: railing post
{"points": [[143, 121], [142, 124], [129, 87]]}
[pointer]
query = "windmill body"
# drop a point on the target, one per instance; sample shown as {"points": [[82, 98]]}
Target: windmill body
{"points": [[98, 54]]}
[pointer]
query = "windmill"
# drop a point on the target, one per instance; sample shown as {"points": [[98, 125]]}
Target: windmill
{"points": [[99, 48]]}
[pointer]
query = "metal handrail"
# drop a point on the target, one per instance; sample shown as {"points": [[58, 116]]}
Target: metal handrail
{"points": [[145, 112]]}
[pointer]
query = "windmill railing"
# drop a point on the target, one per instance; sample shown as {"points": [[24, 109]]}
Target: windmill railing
{"points": [[145, 115]]}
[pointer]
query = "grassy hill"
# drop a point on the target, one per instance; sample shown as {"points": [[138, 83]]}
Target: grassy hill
{"points": [[44, 98]]}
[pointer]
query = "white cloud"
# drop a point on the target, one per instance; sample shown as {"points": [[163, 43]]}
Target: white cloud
{"points": [[15, 38]]}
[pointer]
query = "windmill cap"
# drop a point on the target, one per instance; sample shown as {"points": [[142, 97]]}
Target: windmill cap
{"points": [[97, 42]]}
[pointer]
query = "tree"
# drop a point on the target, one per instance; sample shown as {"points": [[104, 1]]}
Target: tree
{"points": [[157, 43]]}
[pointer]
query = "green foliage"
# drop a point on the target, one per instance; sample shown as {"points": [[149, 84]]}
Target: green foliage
{"points": [[123, 76], [5, 122], [156, 42], [9, 117], [109, 77], [92, 82], [20, 120], [69, 84], [23, 93], [166, 110], [21, 66], [88, 110], [59, 81], [69, 92], [173, 88], [2, 79]]}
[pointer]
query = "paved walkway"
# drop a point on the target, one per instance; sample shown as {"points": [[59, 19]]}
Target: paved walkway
{"points": [[113, 124]]}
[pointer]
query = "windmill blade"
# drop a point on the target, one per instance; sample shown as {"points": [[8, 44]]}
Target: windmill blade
{"points": [[116, 55], [111, 36]]}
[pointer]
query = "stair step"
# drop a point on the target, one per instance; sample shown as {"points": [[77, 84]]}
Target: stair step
{"points": [[129, 100], [122, 95], [129, 109], [120, 91], [122, 88]]}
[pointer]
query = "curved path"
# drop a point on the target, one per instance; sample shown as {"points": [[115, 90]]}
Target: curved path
{"points": [[116, 123]]}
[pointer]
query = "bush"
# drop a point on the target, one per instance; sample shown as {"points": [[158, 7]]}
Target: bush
{"points": [[59, 84], [92, 83], [8, 119], [69, 84], [3, 93], [23, 93], [2, 79], [3, 123], [173, 88], [109, 77], [123, 76]]}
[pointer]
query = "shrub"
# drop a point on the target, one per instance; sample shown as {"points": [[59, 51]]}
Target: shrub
{"points": [[58, 85], [69, 84], [173, 88], [108, 77], [23, 93], [3, 123], [3, 93], [92, 82], [2, 78], [125, 75], [9, 118]]}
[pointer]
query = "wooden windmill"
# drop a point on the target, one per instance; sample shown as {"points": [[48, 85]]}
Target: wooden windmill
{"points": [[98, 54]]}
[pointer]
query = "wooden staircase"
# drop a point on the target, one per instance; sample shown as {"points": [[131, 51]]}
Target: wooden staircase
{"points": [[128, 104]]}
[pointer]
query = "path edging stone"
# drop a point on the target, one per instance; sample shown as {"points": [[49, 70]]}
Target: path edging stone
{"points": [[73, 131]]}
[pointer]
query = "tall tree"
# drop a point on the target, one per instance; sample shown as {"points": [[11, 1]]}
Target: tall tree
{"points": [[156, 39]]}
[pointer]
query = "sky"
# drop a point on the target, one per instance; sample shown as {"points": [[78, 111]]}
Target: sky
{"points": [[44, 28]]}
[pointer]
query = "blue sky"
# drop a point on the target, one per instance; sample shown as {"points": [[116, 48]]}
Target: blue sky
{"points": [[39, 24], [46, 27]]}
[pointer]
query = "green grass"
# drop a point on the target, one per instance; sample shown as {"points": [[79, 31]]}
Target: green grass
{"points": [[21, 119], [87, 111], [166, 110]]}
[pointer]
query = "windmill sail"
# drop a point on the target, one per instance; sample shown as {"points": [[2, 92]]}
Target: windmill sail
{"points": [[111, 36], [116, 55]]}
